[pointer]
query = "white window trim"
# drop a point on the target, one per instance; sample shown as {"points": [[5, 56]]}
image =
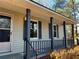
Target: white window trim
{"points": [[37, 30]]}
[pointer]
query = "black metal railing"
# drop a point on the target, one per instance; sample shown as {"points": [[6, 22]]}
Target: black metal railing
{"points": [[41, 46], [58, 44], [33, 52], [70, 43], [38, 47]]}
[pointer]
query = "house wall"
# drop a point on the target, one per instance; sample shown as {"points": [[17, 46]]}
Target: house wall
{"points": [[16, 37], [17, 33], [61, 34], [45, 30]]}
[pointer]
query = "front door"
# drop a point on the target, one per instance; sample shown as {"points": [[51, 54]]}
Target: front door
{"points": [[5, 23]]}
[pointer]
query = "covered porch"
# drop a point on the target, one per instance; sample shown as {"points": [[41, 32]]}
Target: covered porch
{"points": [[45, 39]]}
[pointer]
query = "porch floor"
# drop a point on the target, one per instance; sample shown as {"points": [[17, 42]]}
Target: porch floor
{"points": [[20, 56], [12, 56]]}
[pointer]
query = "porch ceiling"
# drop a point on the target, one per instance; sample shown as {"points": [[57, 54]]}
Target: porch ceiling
{"points": [[36, 10]]}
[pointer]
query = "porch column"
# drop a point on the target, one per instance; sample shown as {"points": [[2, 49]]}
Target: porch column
{"points": [[51, 31], [64, 30], [73, 33], [27, 36]]}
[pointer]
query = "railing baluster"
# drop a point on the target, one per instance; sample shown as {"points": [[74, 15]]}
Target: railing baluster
{"points": [[47, 45], [40, 46], [37, 47], [33, 44], [44, 46]]}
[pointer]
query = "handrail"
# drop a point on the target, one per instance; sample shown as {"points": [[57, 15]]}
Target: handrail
{"points": [[32, 48], [41, 40]]}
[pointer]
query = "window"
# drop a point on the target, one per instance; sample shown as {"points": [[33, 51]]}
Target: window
{"points": [[5, 23], [56, 31], [33, 29]]}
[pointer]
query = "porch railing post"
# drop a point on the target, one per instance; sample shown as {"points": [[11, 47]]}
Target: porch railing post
{"points": [[27, 37], [73, 33], [64, 30], [51, 31]]}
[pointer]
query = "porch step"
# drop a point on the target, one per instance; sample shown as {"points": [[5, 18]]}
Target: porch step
{"points": [[45, 57]]}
